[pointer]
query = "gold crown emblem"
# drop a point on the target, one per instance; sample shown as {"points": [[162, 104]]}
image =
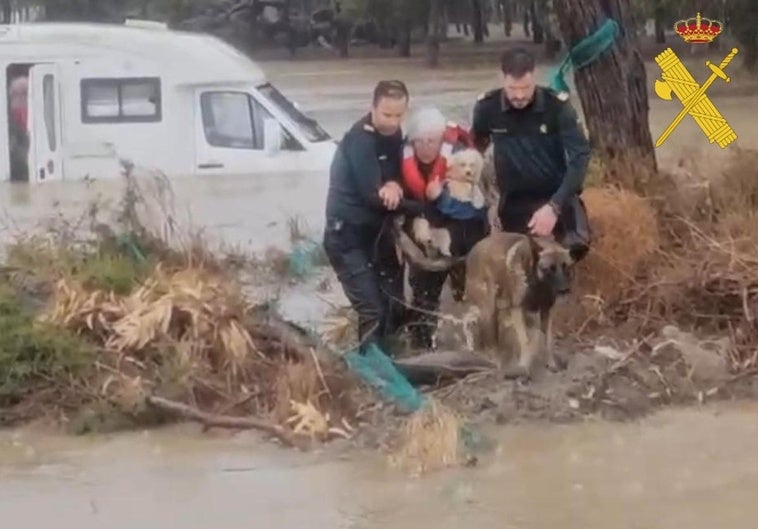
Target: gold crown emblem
{"points": [[698, 30]]}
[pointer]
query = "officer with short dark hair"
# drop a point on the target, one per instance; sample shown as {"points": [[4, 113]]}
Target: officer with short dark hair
{"points": [[364, 192], [540, 152]]}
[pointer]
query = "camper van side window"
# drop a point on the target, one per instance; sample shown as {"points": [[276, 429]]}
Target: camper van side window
{"points": [[121, 100]]}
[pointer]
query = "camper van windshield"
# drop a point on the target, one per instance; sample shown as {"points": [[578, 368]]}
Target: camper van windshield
{"points": [[309, 126]]}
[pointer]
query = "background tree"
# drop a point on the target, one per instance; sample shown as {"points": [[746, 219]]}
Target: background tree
{"points": [[742, 21], [434, 33], [477, 20], [615, 85]]}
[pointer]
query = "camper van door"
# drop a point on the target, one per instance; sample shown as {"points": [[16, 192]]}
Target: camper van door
{"points": [[45, 159]]}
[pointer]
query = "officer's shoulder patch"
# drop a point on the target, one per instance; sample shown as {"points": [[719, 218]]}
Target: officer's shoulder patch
{"points": [[562, 96], [368, 128]]}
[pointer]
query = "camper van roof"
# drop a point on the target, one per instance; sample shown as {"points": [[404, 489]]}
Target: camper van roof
{"points": [[193, 58]]}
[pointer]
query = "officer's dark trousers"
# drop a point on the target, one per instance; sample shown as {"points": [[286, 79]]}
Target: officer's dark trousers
{"points": [[427, 286], [572, 228], [366, 264]]}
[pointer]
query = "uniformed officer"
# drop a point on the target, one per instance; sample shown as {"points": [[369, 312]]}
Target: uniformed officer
{"points": [[364, 191], [540, 152]]}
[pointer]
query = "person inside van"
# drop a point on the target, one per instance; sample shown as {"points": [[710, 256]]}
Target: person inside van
{"points": [[18, 110], [364, 194]]}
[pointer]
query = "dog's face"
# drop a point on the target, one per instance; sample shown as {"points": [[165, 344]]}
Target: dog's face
{"points": [[554, 266], [466, 166]]}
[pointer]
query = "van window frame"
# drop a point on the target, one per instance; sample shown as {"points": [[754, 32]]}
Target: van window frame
{"points": [[295, 145], [84, 83]]}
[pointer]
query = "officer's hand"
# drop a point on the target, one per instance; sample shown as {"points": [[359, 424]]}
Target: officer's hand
{"points": [[391, 193], [543, 221], [433, 190]]}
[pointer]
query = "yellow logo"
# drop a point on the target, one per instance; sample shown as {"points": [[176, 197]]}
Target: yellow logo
{"points": [[676, 79]]}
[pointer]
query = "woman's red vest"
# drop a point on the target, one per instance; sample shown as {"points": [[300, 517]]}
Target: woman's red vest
{"points": [[413, 181]]}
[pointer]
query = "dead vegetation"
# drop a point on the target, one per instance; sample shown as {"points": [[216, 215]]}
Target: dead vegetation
{"points": [[685, 254], [122, 328], [429, 440]]}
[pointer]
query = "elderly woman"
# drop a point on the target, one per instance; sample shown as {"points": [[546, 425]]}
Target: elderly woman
{"points": [[430, 140]]}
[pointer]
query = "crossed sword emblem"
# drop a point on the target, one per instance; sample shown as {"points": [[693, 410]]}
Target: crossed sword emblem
{"points": [[695, 102]]}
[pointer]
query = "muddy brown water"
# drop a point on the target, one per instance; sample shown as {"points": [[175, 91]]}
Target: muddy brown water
{"points": [[694, 468]]}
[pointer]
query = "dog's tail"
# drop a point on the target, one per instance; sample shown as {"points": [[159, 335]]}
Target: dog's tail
{"points": [[413, 253]]}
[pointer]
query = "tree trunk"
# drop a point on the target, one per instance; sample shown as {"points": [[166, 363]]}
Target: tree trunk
{"points": [[7, 11], [445, 23], [507, 6], [477, 21], [405, 37], [538, 33], [615, 85], [750, 55], [660, 21], [433, 38], [527, 21], [342, 31]]}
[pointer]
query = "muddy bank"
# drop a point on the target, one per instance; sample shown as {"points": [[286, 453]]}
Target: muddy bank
{"points": [[599, 383]]}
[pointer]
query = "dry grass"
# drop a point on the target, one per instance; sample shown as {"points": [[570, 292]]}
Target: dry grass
{"points": [[684, 254], [189, 333], [429, 440], [624, 239], [166, 316]]}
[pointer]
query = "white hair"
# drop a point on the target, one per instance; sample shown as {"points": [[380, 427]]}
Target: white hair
{"points": [[426, 121]]}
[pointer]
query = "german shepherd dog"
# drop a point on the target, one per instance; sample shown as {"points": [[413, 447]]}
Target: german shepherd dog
{"points": [[513, 280]]}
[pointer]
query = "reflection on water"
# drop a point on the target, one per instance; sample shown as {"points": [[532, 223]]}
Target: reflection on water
{"points": [[685, 468]]}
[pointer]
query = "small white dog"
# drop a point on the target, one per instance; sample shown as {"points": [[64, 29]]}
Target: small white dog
{"points": [[462, 184]]}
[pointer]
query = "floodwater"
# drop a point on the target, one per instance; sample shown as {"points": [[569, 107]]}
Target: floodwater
{"points": [[694, 468]]}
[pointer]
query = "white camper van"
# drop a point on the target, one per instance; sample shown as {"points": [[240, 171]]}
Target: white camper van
{"points": [[184, 104]]}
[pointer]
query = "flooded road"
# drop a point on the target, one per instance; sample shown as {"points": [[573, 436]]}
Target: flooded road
{"points": [[337, 93], [688, 468], [682, 468]]}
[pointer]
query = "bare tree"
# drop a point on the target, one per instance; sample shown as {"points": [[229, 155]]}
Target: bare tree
{"points": [[433, 37], [477, 20]]}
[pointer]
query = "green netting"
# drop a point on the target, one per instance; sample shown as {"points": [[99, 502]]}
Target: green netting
{"points": [[378, 370], [130, 246], [586, 51], [303, 258]]}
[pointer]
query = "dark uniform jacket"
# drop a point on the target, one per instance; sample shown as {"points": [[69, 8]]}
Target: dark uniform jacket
{"points": [[540, 151], [365, 160]]}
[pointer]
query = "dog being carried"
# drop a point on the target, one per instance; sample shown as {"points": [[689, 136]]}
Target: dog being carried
{"points": [[458, 201], [513, 281]]}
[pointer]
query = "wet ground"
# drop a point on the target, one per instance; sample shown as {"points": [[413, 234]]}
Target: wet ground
{"points": [[686, 467], [692, 468]]}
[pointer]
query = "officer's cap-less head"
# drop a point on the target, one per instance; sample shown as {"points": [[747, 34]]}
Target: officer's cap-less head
{"points": [[389, 105], [519, 84]]}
